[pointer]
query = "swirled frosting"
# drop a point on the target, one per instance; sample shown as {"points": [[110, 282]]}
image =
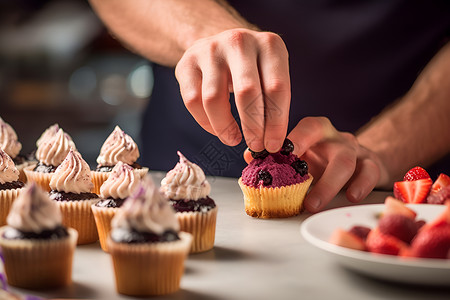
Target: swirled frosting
{"points": [[185, 181], [52, 131], [53, 150], [73, 175], [8, 171], [120, 183], [33, 211], [146, 210], [119, 146], [8, 139]]}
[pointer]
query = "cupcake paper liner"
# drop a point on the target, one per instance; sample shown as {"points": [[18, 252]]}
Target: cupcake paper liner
{"points": [[6, 199], [149, 269], [38, 264], [279, 202], [41, 179], [21, 167], [78, 215], [99, 177], [103, 217], [202, 226]]}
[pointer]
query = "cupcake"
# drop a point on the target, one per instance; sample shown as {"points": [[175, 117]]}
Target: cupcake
{"points": [[37, 248], [275, 184], [50, 153], [71, 188], [113, 193], [119, 146], [187, 189], [147, 249], [11, 145], [10, 185]]}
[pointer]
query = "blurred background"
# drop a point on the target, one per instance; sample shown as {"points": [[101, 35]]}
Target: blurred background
{"points": [[58, 64]]}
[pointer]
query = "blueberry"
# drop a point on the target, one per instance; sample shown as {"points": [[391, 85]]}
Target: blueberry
{"points": [[287, 147], [261, 154], [300, 166], [265, 177]]}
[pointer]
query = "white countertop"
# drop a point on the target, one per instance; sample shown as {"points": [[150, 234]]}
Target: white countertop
{"points": [[252, 259]]}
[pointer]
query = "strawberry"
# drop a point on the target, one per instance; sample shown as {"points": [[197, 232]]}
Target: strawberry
{"points": [[396, 207], [378, 242], [443, 219], [399, 226], [442, 181], [440, 196], [416, 173], [360, 231], [412, 191], [432, 243], [347, 239]]}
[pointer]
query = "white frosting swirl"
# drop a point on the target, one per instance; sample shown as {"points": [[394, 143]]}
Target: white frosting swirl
{"points": [[119, 146], [146, 210], [120, 183], [8, 139], [73, 175], [33, 211], [53, 151], [52, 131], [185, 181], [8, 171]]}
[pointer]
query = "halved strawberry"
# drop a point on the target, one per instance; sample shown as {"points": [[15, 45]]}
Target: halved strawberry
{"points": [[412, 191], [397, 207], [443, 180], [416, 173], [347, 239], [432, 243], [378, 242]]}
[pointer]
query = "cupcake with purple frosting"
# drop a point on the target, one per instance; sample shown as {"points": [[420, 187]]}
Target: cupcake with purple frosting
{"points": [[113, 192], [275, 184], [188, 190], [148, 249]]}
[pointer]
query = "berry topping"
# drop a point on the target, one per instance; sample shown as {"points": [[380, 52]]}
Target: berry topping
{"points": [[265, 177], [300, 166], [287, 147], [412, 191], [261, 154], [416, 173]]}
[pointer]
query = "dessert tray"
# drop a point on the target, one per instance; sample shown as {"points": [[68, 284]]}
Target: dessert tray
{"points": [[318, 228]]}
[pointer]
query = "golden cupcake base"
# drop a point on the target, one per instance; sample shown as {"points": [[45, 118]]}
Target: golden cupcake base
{"points": [[278, 202], [149, 269]]}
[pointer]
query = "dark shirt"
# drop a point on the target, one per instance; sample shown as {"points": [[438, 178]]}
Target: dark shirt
{"points": [[348, 60]]}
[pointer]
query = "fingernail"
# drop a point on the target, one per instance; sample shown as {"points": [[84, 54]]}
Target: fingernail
{"points": [[314, 204], [272, 146]]}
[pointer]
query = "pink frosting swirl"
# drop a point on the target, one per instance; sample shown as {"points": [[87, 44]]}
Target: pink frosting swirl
{"points": [[73, 175], [8, 139], [119, 146], [53, 150], [33, 211], [146, 210], [120, 183], [8, 171]]}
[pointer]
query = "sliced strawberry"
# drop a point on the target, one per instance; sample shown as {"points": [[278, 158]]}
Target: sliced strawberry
{"points": [[440, 196], [416, 173], [443, 219], [399, 226], [413, 191], [443, 180], [378, 242], [396, 207], [347, 239], [432, 243]]}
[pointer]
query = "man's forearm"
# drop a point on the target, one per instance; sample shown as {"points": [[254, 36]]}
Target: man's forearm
{"points": [[416, 129], [161, 30]]}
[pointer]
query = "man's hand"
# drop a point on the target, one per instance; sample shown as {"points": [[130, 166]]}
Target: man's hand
{"points": [[252, 64]]}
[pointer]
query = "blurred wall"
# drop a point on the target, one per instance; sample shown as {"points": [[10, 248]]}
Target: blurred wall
{"points": [[58, 64]]}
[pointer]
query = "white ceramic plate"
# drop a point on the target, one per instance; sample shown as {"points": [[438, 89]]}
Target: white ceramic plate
{"points": [[318, 228]]}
